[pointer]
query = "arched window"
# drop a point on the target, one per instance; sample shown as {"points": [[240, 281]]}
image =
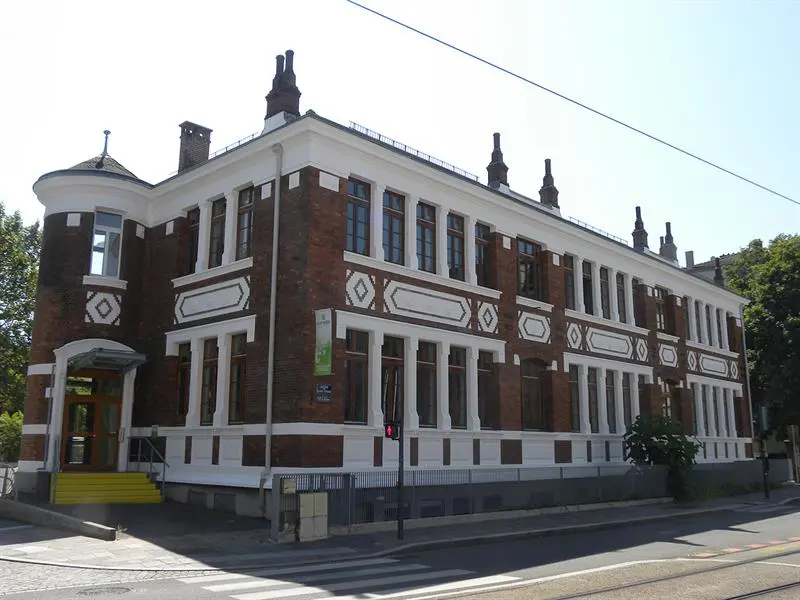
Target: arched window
{"points": [[535, 396]]}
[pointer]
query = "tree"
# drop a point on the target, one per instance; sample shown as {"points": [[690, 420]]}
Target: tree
{"points": [[770, 278], [10, 436], [659, 440], [19, 260]]}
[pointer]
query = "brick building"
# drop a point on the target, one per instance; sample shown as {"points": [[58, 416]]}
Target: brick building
{"points": [[274, 303]]}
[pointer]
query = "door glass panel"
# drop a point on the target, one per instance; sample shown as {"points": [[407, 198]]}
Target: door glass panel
{"points": [[80, 423], [109, 419], [108, 427], [81, 417]]}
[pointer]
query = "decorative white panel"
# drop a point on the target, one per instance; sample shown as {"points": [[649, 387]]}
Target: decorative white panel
{"points": [[713, 365], [73, 219], [201, 450], [294, 180], [641, 350], [103, 308], [328, 181], [460, 452], [668, 355], [360, 290], [538, 451], [574, 336], [487, 317], [139, 230], [490, 452], [691, 360], [169, 227], [230, 451], [609, 343], [406, 300], [734, 370], [213, 300], [429, 452], [533, 327], [357, 453], [266, 190]]}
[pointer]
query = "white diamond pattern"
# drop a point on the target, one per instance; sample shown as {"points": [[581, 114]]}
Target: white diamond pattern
{"points": [[103, 308], [360, 290], [487, 317]]}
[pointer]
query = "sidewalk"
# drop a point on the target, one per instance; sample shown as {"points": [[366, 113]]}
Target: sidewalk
{"points": [[238, 544]]}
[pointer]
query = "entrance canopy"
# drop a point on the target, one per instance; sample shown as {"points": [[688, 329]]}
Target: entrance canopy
{"points": [[121, 361]]}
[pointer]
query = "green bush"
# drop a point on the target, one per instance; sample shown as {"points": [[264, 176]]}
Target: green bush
{"points": [[658, 440], [10, 436]]}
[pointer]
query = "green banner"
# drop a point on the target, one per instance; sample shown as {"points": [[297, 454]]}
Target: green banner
{"points": [[323, 354]]}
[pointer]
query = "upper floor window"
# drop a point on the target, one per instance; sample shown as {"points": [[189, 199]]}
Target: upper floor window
{"points": [[244, 224], [193, 217], [622, 305], [457, 387], [355, 376], [482, 254], [106, 244], [238, 378], [574, 399], [535, 401], [627, 413], [487, 407], [611, 401], [455, 246], [667, 393], [686, 316], [588, 291], [661, 295], [184, 376], [208, 392], [217, 240], [392, 377], [426, 384], [357, 237], [569, 281], [710, 329], [605, 293], [394, 228], [529, 277], [594, 421], [638, 302], [718, 319], [426, 237], [698, 322]]}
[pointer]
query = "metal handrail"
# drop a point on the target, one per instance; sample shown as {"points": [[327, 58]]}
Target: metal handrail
{"points": [[164, 463], [8, 482]]}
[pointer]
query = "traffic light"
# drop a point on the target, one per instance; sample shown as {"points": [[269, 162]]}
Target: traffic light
{"points": [[391, 430]]}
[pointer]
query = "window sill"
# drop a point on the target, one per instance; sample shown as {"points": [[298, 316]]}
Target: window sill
{"points": [[239, 265], [374, 263], [715, 349], [103, 281], [667, 337], [531, 303], [606, 322]]}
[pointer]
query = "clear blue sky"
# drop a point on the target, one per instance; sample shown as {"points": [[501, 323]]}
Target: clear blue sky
{"points": [[719, 79]]}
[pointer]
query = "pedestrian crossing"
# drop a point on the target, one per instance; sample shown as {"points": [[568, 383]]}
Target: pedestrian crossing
{"points": [[367, 579]]}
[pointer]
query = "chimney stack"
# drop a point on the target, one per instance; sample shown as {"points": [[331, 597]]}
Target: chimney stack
{"points": [[195, 145], [639, 233], [497, 169], [284, 97], [548, 195], [689, 259], [719, 277], [669, 250]]}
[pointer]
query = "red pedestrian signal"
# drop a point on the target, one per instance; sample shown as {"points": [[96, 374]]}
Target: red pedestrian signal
{"points": [[391, 430]]}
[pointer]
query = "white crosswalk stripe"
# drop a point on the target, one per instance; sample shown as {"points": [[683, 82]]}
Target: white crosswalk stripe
{"points": [[373, 579]]}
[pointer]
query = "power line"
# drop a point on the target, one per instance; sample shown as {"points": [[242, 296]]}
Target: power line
{"points": [[568, 99]]}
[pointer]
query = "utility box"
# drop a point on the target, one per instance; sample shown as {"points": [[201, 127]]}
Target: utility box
{"points": [[313, 517]]}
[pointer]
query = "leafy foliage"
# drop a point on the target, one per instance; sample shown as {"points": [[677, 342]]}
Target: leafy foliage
{"points": [[770, 278], [19, 259], [10, 436]]}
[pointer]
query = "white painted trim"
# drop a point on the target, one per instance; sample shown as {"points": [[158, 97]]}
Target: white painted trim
{"points": [[531, 303], [102, 281], [41, 369], [30, 466], [346, 320], [34, 429], [706, 349], [373, 263], [667, 337], [239, 265], [713, 382], [211, 330], [606, 364], [574, 314]]}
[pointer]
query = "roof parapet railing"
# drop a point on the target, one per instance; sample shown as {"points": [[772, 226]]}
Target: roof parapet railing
{"points": [[610, 236]]}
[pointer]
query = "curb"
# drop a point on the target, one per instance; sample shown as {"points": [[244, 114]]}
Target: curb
{"points": [[405, 548], [36, 515]]}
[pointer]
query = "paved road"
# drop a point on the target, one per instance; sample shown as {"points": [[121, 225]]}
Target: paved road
{"points": [[764, 539]]}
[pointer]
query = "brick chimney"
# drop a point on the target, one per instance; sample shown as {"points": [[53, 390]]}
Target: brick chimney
{"points": [[284, 95], [719, 277], [195, 144], [689, 258], [639, 233], [669, 249], [497, 169], [548, 194]]}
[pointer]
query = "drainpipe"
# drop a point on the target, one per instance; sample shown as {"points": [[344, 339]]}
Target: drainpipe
{"points": [[747, 373], [278, 149]]}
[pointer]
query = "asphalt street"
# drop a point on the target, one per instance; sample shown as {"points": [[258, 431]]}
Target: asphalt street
{"points": [[747, 551]]}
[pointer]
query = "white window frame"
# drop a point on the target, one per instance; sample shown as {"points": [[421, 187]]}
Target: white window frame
{"points": [[105, 229]]}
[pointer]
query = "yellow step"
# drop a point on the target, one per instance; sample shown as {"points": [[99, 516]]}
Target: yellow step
{"points": [[94, 485], [110, 492], [132, 500], [100, 476]]}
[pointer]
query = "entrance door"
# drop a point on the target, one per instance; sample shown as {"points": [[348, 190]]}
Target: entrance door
{"points": [[91, 422]]}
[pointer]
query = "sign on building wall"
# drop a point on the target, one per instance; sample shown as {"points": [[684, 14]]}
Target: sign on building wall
{"points": [[323, 354]]}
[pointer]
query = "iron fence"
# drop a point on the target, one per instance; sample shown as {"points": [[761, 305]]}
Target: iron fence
{"points": [[8, 488], [372, 497]]}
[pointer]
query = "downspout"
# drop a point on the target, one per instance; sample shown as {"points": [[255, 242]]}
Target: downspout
{"points": [[747, 373], [278, 149]]}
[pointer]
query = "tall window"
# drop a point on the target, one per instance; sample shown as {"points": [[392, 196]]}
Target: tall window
{"points": [[244, 224], [718, 319], [238, 383], [106, 243], [605, 293], [667, 390], [457, 377], [355, 376], [627, 414], [611, 401], [529, 276], [710, 329], [426, 237], [217, 240], [208, 392], [661, 308], [357, 236], [392, 377], [487, 408], [591, 375], [704, 408], [699, 322], [455, 246], [622, 304], [638, 302], [642, 382], [394, 227], [193, 217], [725, 413], [535, 401], [569, 281], [588, 292], [574, 399], [686, 316], [482, 254], [184, 377], [426, 384], [715, 409]]}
